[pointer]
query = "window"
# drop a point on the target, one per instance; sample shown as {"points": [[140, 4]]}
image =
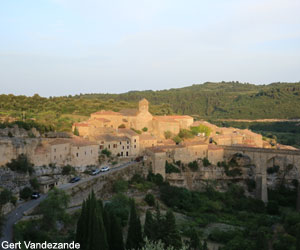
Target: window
{"points": [[123, 147], [120, 142], [85, 152], [77, 147], [127, 142], [121, 153], [77, 154], [54, 149], [127, 147], [91, 151], [115, 145], [60, 156], [66, 148], [102, 142], [127, 153], [134, 140], [54, 157], [108, 145], [101, 147], [134, 146]]}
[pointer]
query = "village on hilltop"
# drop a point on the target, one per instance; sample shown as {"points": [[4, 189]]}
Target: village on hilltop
{"points": [[128, 134]]}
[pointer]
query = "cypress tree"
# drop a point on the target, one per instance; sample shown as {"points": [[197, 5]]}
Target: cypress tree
{"points": [[116, 239], [149, 227], [298, 235], [158, 233], [195, 241], [171, 234], [107, 225], [204, 247], [134, 237], [81, 226], [90, 231]]}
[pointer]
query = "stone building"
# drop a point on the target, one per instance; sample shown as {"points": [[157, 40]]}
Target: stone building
{"points": [[76, 152], [137, 119]]}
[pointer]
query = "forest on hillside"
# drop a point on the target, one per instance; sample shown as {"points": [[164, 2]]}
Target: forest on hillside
{"points": [[206, 101]]}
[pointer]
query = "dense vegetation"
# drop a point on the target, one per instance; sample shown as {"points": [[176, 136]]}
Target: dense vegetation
{"points": [[208, 100], [230, 218], [243, 222]]}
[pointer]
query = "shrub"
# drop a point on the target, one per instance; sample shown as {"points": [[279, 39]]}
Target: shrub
{"points": [[168, 134], [193, 166], [273, 208], [5, 196], [201, 129], [145, 129], [76, 132], [136, 130], [34, 184], [185, 134], [177, 139], [150, 199], [170, 168], [155, 178], [137, 178], [251, 184], [106, 152], [273, 169], [21, 165], [66, 170], [122, 126], [25, 193], [120, 186], [206, 162]]}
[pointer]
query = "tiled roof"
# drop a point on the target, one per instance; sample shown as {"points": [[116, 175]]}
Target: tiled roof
{"points": [[111, 137], [101, 119], [81, 124], [129, 112], [127, 131], [106, 112]]}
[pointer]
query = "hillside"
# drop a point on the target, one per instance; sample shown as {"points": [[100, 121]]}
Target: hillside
{"points": [[224, 100], [207, 101]]}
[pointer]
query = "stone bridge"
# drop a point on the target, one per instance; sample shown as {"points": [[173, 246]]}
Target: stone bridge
{"points": [[261, 158]]}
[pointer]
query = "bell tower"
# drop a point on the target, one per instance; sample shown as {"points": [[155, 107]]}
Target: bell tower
{"points": [[143, 105]]}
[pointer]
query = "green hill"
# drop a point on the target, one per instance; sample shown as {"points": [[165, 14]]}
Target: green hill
{"points": [[208, 101]]}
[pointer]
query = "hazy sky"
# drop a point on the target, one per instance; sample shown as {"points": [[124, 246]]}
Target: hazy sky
{"points": [[60, 47]]}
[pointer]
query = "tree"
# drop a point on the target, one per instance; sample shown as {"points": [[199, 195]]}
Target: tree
{"points": [[298, 237], [1, 222], [171, 235], [134, 237], [204, 247], [76, 132], [168, 134], [149, 198], [53, 208], [21, 164], [150, 226], [90, 232], [195, 241], [116, 235], [5, 196], [35, 183], [25, 193]]}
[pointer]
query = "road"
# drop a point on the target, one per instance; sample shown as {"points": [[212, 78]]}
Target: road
{"points": [[14, 216]]}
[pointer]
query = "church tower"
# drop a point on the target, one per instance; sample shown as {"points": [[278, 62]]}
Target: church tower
{"points": [[143, 105]]}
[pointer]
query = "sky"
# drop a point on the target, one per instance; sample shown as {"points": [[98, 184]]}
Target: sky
{"points": [[62, 47]]}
